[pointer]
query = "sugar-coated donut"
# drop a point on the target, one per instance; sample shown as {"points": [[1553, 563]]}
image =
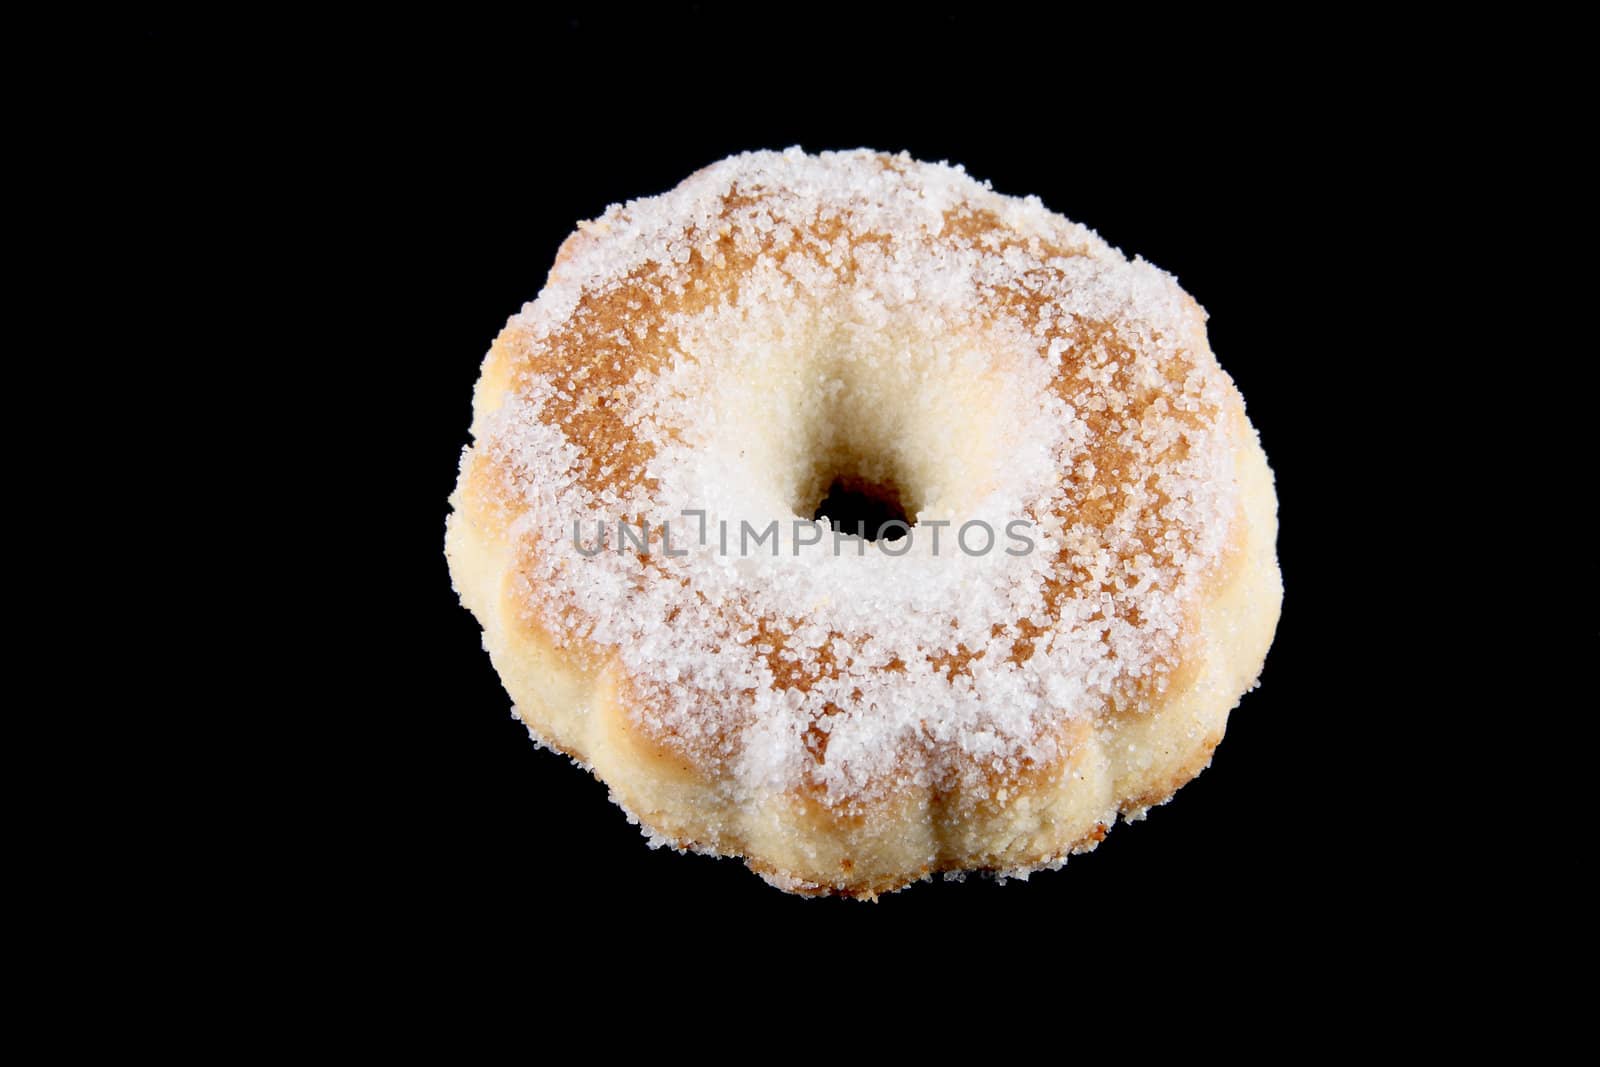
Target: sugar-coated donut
{"points": [[654, 433]]}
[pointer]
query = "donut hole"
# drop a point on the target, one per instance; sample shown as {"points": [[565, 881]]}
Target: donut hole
{"points": [[853, 503], [871, 428], [859, 450]]}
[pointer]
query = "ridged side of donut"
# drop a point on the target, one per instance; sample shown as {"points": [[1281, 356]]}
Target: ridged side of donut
{"points": [[1121, 765]]}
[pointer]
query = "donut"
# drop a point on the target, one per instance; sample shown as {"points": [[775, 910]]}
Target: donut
{"points": [[1076, 584]]}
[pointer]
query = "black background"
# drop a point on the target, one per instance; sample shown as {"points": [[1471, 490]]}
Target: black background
{"points": [[415, 184]]}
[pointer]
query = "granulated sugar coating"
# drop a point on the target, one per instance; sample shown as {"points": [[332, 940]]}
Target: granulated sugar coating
{"points": [[853, 715]]}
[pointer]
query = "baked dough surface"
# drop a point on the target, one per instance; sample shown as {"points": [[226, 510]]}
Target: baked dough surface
{"points": [[845, 719]]}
